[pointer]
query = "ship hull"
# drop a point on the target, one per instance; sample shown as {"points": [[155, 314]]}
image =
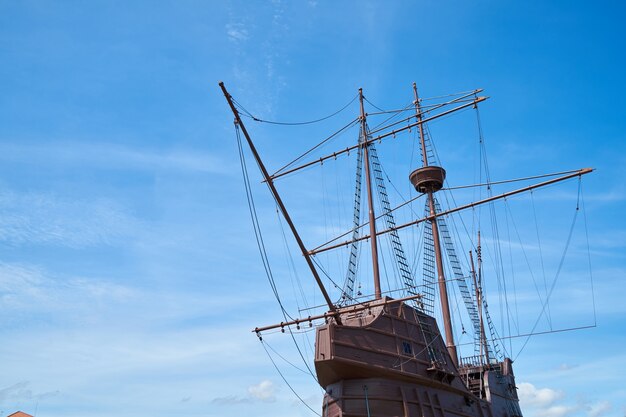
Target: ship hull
{"points": [[389, 359], [385, 397]]}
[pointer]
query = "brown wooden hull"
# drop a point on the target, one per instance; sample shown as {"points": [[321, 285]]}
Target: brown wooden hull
{"points": [[390, 360], [383, 397]]}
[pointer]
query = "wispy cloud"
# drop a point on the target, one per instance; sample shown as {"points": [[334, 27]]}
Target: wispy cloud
{"points": [[599, 409], [27, 291], [43, 218], [260, 61], [236, 32], [264, 391], [230, 400], [112, 337], [103, 155], [566, 367], [22, 391]]}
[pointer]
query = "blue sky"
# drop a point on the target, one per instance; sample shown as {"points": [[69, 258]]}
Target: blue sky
{"points": [[129, 278]]}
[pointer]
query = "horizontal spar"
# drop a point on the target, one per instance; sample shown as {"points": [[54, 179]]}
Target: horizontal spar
{"points": [[577, 173], [377, 138], [349, 309], [430, 109]]}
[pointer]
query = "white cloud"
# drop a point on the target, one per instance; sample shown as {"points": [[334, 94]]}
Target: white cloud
{"points": [[546, 402], [263, 391], [531, 396]]}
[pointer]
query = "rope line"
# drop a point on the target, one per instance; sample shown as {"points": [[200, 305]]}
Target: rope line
{"points": [[558, 271], [346, 127], [255, 221], [288, 384], [286, 360], [593, 297], [308, 122], [490, 183], [261, 244]]}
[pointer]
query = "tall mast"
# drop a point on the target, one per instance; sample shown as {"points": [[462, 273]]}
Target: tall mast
{"points": [[279, 201], [428, 180], [370, 201], [479, 302]]}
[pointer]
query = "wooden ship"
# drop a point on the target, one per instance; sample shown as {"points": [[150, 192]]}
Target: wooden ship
{"points": [[386, 356]]}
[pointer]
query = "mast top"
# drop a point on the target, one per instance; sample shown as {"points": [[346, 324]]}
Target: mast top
{"points": [[428, 179]]}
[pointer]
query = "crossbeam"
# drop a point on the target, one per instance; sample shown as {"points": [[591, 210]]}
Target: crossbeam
{"points": [[377, 138], [349, 309], [577, 173]]}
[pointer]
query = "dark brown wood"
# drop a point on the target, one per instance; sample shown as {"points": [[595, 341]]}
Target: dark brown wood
{"points": [[350, 309], [441, 278], [421, 126], [441, 281], [370, 200], [392, 361]]}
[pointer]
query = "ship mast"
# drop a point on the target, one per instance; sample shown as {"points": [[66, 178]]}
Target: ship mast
{"points": [[429, 179], [370, 201], [484, 349], [480, 298]]}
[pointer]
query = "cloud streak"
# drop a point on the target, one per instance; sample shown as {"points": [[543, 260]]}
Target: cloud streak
{"points": [[44, 218], [22, 391], [103, 155]]}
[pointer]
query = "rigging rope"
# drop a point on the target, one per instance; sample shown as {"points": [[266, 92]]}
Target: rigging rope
{"points": [[510, 247], [308, 122], [373, 105], [255, 220], [543, 269], [285, 359], [303, 297], [261, 244], [558, 271], [499, 268], [569, 329], [347, 126], [365, 224], [348, 288], [593, 298], [522, 248], [321, 268], [490, 183], [286, 382]]}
